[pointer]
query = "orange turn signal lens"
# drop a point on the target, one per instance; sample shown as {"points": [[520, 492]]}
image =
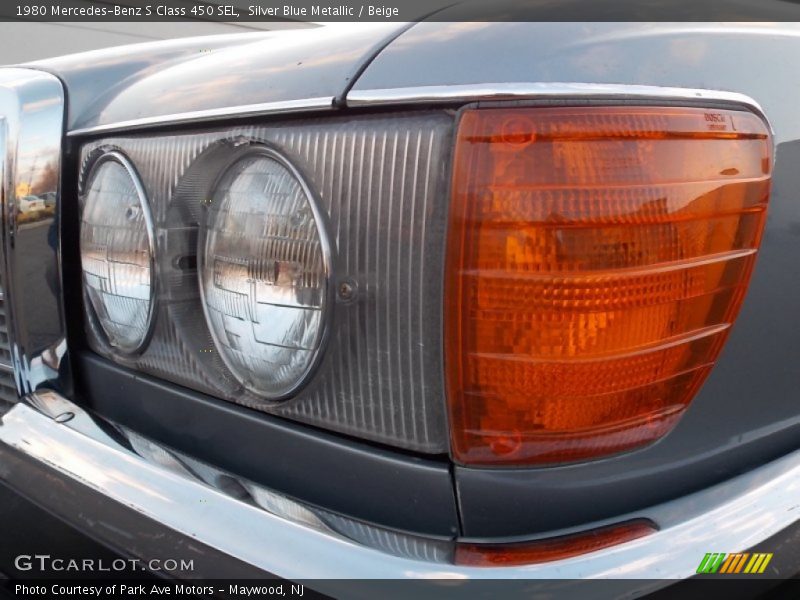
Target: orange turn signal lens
{"points": [[597, 258], [548, 550]]}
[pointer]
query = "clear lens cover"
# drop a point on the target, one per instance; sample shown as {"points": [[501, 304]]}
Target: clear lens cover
{"points": [[270, 341], [117, 252], [264, 270]]}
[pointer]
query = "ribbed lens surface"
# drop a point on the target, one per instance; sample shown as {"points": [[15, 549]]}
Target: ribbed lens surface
{"points": [[379, 183], [264, 275], [115, 254]]}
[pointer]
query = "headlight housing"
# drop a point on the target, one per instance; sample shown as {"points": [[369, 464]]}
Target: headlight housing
{"points": [[117, 252], [379, 184]]}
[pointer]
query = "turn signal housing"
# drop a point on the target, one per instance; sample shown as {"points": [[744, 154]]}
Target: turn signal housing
{"points": [[597, 257]]}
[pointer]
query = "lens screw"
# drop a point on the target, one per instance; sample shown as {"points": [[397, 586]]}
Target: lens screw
{"points": [[347, 290]]}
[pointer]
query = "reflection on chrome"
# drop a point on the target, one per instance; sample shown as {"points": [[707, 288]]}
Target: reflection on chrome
{"points": [[32, 111], [379, 538], [292, 540]]}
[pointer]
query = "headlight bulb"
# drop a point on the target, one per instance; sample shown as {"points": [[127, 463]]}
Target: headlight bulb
{"points": [[264, 274], [117, 252]]}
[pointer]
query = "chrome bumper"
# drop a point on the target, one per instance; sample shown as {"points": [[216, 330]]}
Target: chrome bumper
{"points": [[47, 433]]}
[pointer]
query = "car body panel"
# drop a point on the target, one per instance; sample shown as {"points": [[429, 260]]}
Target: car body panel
{"points": [[151, 80]]}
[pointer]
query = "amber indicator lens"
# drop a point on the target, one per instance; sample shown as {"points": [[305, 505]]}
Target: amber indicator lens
{"points": [[548, 550], [597, 258]]}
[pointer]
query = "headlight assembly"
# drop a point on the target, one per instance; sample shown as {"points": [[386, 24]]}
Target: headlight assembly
{"points": [[264, 270], [578, 295], [299, 269], [117, 252]]}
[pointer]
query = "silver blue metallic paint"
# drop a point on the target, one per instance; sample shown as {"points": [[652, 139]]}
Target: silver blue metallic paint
{"points": [[215, 73]]}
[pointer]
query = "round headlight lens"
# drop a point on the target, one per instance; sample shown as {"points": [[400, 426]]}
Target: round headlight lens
{"points": [[264, 265], [117, 252]]}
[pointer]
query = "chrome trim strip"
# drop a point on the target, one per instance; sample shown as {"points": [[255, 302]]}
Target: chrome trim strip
{"points": [[248, 110], [450, 94], [32, 108], [730, 517], [436, 94]]}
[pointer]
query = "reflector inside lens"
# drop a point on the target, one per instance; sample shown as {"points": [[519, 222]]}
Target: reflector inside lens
{"points": [[264, 274], [116, 252], [597, 259]]}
